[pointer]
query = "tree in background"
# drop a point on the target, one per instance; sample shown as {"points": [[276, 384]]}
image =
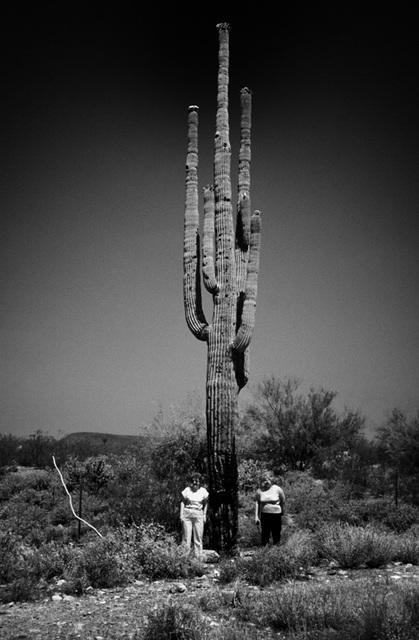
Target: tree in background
{"points": [[91, 475], [230, 264], [9, 449], [178, 447], [296, 432], [178, 442], [398, 442], [37, 450]]}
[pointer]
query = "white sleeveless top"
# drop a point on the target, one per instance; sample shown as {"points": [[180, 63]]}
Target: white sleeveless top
{"points": [[194, 499]]}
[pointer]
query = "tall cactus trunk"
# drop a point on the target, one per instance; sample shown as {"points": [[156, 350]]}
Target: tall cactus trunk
{"points": [[230, 262]]}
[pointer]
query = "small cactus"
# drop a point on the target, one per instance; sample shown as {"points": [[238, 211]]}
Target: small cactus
{"points": [[230, 265]]}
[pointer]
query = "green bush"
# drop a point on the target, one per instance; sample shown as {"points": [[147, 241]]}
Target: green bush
{"points": [[276, 563], [159, 555], [250, 472], [249, 533], [23, 588], [271, 564], [177, 622], [23, 568], [297, 609], [386, 615], [314, 503], [407, 548], [17, 481], [231, 569], [10, 555], [401, 518], [352, 547], [96, 564], [310, 611], [380, 512]]}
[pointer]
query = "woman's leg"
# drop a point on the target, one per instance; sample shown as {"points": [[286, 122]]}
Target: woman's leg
{"points": [[265, 528], [198, 532], [276, 527], [186, 531]]}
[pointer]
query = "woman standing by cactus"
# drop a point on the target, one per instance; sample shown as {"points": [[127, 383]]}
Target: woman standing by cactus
{"points": [[193, 513], [269, 510]]}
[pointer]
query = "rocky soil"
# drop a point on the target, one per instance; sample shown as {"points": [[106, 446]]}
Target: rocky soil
{"points": [[122, 613]]}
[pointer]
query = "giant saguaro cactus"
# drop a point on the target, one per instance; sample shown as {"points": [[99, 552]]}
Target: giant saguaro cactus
{"points": [[230, 263]]}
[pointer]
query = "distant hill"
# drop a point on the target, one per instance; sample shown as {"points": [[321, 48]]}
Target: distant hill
{"points": [[93, 443]]}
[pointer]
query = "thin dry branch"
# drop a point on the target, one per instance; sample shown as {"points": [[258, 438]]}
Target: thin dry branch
{"points": [[71, 502]]}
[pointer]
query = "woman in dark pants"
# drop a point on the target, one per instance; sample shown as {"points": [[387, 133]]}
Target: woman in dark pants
{"points": [[269, 509]]}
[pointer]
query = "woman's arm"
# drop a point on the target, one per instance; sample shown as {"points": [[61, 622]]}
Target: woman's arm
{"points": [[257, 509], [281, 496]]}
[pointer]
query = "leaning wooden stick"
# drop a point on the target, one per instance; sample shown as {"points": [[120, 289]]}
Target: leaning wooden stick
{"points": [[71, 502]]}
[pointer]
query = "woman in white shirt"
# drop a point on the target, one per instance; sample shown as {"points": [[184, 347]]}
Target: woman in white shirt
{"points": [[193, 513], [269, 509]]}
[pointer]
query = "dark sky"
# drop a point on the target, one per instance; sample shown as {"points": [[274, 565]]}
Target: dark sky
{"points": [[93, 140]]}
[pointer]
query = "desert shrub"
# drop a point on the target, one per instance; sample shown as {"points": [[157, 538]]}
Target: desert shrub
{"points": [[276, 563], [401, 518], [99, 563], [159, 555], [299, 546], [361, 609], [230, 569], [385, 615], [343, 544], [381, 512], [9, 553], [295, 608], [61, 514], [302, 489], [211, 600], [249, 533], [313, 503], [130, 491], [96, 564], [23, 588], [407, 547], [236, 630], [46, 562], [15, 482], [271, 564], [310, 501], [381, 549], [30, 510], [181, 622], [351, 546], [23, 568], [21, 517], [250, 472]]}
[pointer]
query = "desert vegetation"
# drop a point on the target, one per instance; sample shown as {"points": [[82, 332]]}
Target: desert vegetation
{"points": [[352, 505]]}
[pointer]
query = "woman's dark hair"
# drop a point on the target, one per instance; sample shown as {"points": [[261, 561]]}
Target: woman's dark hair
{"points": [[195, 476]]}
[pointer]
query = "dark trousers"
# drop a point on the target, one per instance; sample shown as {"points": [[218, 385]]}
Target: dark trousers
{"points": [[271, 524]]}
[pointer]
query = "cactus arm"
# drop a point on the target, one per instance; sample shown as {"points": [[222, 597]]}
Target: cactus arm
{"points": [[244, 334], [243, 200], [241, 359], [208, 269], [194, 314], [243, 191]]}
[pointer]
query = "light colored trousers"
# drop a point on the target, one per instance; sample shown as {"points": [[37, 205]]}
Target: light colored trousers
{"points": [[193, 525]]}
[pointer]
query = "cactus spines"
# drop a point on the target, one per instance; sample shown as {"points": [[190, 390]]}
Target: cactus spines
{"points": [[230, 265]]}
